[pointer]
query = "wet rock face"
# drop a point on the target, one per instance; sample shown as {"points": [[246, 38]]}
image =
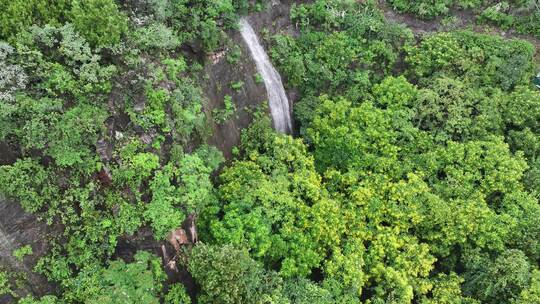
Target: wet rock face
{"points": [[277, 98], [17, 229], [220, 74]]}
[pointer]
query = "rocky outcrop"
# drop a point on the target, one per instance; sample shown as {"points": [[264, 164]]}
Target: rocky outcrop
{"points": [[253, 93], [277, 98], [221, 74], [17, 229]]}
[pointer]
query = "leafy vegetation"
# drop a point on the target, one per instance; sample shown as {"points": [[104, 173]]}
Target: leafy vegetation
{"points": [[430, 9], [522, 15], [229, 275], [5, 287], [23, 251], [177, 295], [135, 282], [99, 21], [237, 86], [222, 115], [413, 177]]}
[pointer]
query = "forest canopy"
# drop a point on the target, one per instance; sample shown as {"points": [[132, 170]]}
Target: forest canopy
{"points": [[413, 175]]}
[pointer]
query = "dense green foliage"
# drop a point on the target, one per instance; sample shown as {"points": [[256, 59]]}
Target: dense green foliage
{"points": [[177, 295], [67, 73], [229, 275], [429, 8], [5, 287], [429, 170], [190, 20], [16, 16], [137, 282], [23, 251], [99, 21], [414, 176], [520, 15]]}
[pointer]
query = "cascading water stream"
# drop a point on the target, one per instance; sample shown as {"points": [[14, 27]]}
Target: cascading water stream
{"points": [[277, 99]]}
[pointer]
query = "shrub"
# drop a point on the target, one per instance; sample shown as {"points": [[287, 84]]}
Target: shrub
{"points": [[228, 275], [187, 103], [129, 283], [30, 183], [502, 278], [497, 14], [234, 54], [481, 60], [304, 291], [12, 76], [196, 19], [23, 251], [44, 300], [182, 187], [429, 9], [5, 287], [222, 115], [156, 36], [17, 15], [237, 86], [177, 295], [63, 62], [163, 211], [99, 21], [174, 67]]}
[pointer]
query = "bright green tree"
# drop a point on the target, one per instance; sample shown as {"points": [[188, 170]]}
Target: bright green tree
{"points": [[120, 282], [99, 21]]}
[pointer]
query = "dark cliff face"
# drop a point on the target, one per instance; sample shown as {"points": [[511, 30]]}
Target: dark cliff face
{"points": [[17, 229], [221, 74]]}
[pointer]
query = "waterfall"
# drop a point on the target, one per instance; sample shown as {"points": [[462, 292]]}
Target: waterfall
{"points": [[277, 99]]}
